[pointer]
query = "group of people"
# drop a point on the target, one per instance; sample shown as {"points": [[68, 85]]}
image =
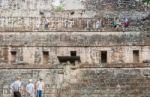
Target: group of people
{"points": [[116, 23], [91, 24], [31, 89]]}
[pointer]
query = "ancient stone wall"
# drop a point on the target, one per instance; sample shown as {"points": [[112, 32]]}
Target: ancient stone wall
{"points": [[113, 62], [72, 39], [91, 55], [44, 23], [29, 47], [109, 83], [26, 15], [52, 77], [83, 82]]}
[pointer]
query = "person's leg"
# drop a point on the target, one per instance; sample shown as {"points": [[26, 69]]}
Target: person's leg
{"points": [[18, 94], [14, 94], [40, 93], [37, 93]]}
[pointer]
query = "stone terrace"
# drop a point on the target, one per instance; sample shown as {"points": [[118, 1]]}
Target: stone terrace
{"points": [[63, 45]]}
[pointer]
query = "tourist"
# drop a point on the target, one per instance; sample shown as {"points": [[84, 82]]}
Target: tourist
{"points": [[116, 23], [16, 87], [98, 25], [125, 24], [66, 23], [30, 89], [46, 23], [40, 88], [89, 25]]}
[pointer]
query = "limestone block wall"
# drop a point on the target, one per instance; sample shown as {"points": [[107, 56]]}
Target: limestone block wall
{"points": [[28, 8], [73, 23], [104, 82], [83, 82], [29, 47], [24, 39], [27, 15], [25, 4], [91, 55], [52, 78], [13, 8], [72, 39]]}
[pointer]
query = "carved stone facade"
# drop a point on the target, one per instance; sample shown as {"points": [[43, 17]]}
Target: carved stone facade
{"points": [[78, 52]]}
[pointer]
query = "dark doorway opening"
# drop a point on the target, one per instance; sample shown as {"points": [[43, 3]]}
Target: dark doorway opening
{"points": [[103, 56], [13, 56], [135, 56], [45, 57], [73, 53]]}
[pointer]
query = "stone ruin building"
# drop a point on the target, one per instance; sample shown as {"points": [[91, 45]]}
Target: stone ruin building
{"points": [[73, 46]]}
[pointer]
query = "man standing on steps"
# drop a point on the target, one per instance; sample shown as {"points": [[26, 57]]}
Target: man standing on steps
{"points": [[30, 89], [16, 87], [40, 85]]}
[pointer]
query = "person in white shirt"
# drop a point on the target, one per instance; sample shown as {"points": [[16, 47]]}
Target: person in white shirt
{"points": [[40, 88], [30, 89], [98, 24], [16, 87]]}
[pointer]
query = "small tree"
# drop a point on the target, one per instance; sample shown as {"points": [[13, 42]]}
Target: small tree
{"points": [[59, 8], [146, 1]]}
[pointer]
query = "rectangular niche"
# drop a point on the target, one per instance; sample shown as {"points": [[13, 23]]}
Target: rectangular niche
{"points": [[135, 56], [73, 53], [13, 56], [45, 57], [103, 56]]}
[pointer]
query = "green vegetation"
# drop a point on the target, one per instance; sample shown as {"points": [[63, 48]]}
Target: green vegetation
{"points": [[146, 1], [59, 8]]}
